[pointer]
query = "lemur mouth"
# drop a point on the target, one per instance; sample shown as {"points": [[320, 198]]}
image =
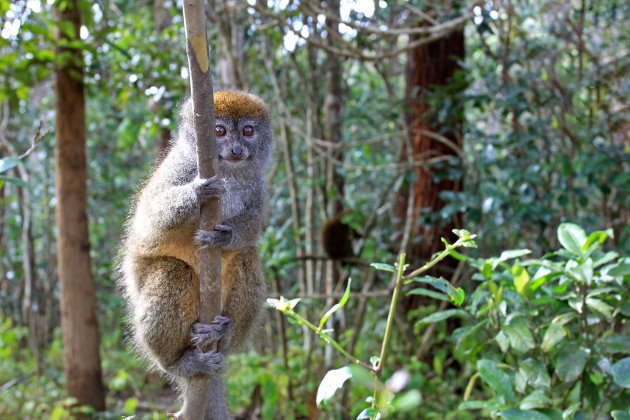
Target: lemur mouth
{"points": [[232, 159]]}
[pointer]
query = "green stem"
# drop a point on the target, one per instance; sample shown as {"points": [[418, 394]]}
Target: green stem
{"points": [[327, 339], [389, 325], [440, 257]]}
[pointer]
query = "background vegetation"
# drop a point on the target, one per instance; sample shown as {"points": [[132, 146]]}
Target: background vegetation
{"points": [[528, 148]]}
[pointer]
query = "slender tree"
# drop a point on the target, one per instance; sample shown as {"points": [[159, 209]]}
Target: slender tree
{"points": [[79, 322], [431, 67]]}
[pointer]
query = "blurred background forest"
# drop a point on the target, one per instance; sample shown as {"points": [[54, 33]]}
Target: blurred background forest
{"points": [[395, 122]]}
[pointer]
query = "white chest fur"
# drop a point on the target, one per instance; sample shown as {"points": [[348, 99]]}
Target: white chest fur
{"points": [[232, 202]]}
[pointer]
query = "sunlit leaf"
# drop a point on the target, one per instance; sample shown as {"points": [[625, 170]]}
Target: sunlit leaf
{"points": [[621, 372], [572, 237], [496, 378], [336, 307], [333, 380]]}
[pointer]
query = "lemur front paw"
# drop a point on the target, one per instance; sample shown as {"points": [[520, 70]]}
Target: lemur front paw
{"points": [[220, 236], [221, 328], [205, 188]]}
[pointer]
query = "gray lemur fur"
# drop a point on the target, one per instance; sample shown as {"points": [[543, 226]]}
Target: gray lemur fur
{"points": [[160, 266]]}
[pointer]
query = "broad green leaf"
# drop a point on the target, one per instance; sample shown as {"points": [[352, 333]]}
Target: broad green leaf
{"points": [[369, 413], [442, 315], [8, 163], [333, 380], [478, 405], [554, 334], [620, 415], [456, 295], [600, 306], [430, 293], [496, 378], [407, 401], [518, 414], [582, 272], [605, 258], [534, 400], [621, 372], [16, 181], [519, 335], [130, 405], [569, 412], [622, 269], [572, 237], [336, 307], [383, 267], [571, 362], [596, 238], [535, 373], [615, 343], [510, 254], [521, 278]]}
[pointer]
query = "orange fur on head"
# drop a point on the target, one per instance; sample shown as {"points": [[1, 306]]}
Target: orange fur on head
{"points": [[235, 104]]}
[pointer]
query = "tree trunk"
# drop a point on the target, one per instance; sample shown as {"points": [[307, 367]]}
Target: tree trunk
{"points": [[79, 322], [431, 66], [333, 118]]}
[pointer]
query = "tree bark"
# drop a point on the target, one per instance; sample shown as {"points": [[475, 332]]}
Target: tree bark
{"points": [[431, 66], [79, 322], [197, 389]]}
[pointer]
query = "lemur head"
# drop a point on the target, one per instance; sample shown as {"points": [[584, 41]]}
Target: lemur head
{"points": [[243, 131]]}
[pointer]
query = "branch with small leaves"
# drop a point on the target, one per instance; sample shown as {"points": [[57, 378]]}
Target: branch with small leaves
{"points": [[366, 374]]}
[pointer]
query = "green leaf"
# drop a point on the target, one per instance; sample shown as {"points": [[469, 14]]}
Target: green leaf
{"points": [[622, 269], [569, 412], [430, 293], [442, 315], [620, 415], [600, 306], [8, 163], [496, 378], [470, 386], [383, 267], [621, 372], [582, 272], [554, 334], [333, 380], [407, 401], [518, 333], [368, 413], [596, 238], [535, 400], [517, 414], [476, 405], [535, 373], [571, 362], [336, 307], [456, 295], [521, 278], [16, 181], [615, 343], [572, 237], [130, 405], [510, 254]]}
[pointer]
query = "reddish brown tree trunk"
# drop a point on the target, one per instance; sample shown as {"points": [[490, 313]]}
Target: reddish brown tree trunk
{"points": [[79, 323], [429, 67]]}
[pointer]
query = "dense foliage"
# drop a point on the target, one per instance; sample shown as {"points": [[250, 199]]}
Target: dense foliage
{"points": [[544, 111]]}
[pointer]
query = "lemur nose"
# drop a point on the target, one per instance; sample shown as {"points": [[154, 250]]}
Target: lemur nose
{"points": [[237, 151]]}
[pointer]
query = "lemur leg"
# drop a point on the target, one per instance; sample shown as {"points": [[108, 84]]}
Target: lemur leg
{"points": [[171, 343]]}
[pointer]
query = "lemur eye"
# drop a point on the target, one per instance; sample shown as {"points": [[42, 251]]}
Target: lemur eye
{"points": [[220, 130], [248, 130]]}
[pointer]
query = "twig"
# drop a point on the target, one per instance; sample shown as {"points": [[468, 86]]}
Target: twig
{"points": [[36, 139], [16, 381]]}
